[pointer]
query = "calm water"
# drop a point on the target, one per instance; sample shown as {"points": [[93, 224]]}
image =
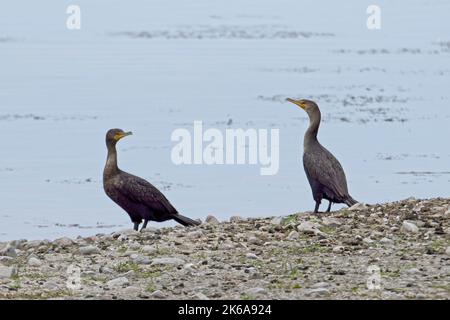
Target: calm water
{"points": [[154, 67]]}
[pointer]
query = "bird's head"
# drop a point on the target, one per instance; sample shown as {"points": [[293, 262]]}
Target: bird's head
{"points": [[307, 105], [114, 135]]}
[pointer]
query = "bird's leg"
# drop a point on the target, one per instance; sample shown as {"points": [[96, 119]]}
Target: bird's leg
{"points": [[144, 225], [316, 209], [329, 206], [136, 226]]}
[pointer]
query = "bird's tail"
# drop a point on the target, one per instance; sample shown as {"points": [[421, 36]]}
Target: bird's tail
{"points": [[185, 221], [350, 201]]}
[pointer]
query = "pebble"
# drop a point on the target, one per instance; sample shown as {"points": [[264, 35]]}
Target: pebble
{"points": [[409, 227], [8, 251], [357, 207], [118, 282], [251, 256], [254, 240], [320, 285], [168, 261], [34, 262], [255, 291], [293, 235], [211, 220], [7, 272], [385, 240], [318, 292], [88, 250], [236, 219], [447, 251], [331, 222], [141, 260], [149, 249], [277, 221], [200, 296], [338, 249], [158, 294], [63, 242], [309, 228]]}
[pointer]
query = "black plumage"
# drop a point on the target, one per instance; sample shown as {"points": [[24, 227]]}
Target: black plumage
{"points": [[138, 197], [324, 172]]}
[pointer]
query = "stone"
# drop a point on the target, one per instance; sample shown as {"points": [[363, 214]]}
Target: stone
{"points": [[409, 227], [7, 272], [386, 241], [118, 282], [447, 251], [318, 292], [88, 250], [149, 249], [200, 296], [8, 251], [320, 285], [255, 291], [50, 285], [309, 228], [254, 240], [34, 262], [211, 220], [63, 242], [338, 249], [235, 219], [277, 221], [251, 256], [141, 260], [158, 294], [357, 207], [168, 261], [331, 222], [293, 235]]}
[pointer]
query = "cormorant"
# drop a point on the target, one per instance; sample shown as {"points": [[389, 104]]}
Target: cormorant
{"points": [[138, 197], [323, 170]]}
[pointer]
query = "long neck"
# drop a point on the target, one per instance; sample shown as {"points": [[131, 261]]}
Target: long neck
{"points": [[111, 161], [313, 129]]}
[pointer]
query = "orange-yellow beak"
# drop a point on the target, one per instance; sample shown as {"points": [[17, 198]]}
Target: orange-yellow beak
{"points": [[300, 103]]}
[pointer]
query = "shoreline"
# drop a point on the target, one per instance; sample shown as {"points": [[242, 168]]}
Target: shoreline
{"points": [[397, 250]]}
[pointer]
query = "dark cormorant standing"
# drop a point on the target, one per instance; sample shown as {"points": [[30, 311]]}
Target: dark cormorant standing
{"points": [[138, 197], [324, 172]]}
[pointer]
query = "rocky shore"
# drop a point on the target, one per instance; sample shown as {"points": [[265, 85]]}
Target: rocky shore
{"points": [[398, 250]]}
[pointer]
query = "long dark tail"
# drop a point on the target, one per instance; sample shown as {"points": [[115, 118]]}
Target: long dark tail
{"points": [[350, 201], [185, 221]]}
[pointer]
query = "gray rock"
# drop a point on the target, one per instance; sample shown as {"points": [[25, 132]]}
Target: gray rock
{"points": [[158, 294], [357, 207], [141, 260], [321, 292], [331, 222], [320, 285], [118, 282], [293, 235], [235, 219], [168, 261], [7, 261], [149, 249], [200, 296], [277, 221], [50, 285], [8, 251], [7, 272], [63, 242], [254, 240], [338, 249], [447, 251], [88, 250], [34, 262], [309, 228], [409, 227], [255, 291], [251, 256], [211, 220], [386, 241]]}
